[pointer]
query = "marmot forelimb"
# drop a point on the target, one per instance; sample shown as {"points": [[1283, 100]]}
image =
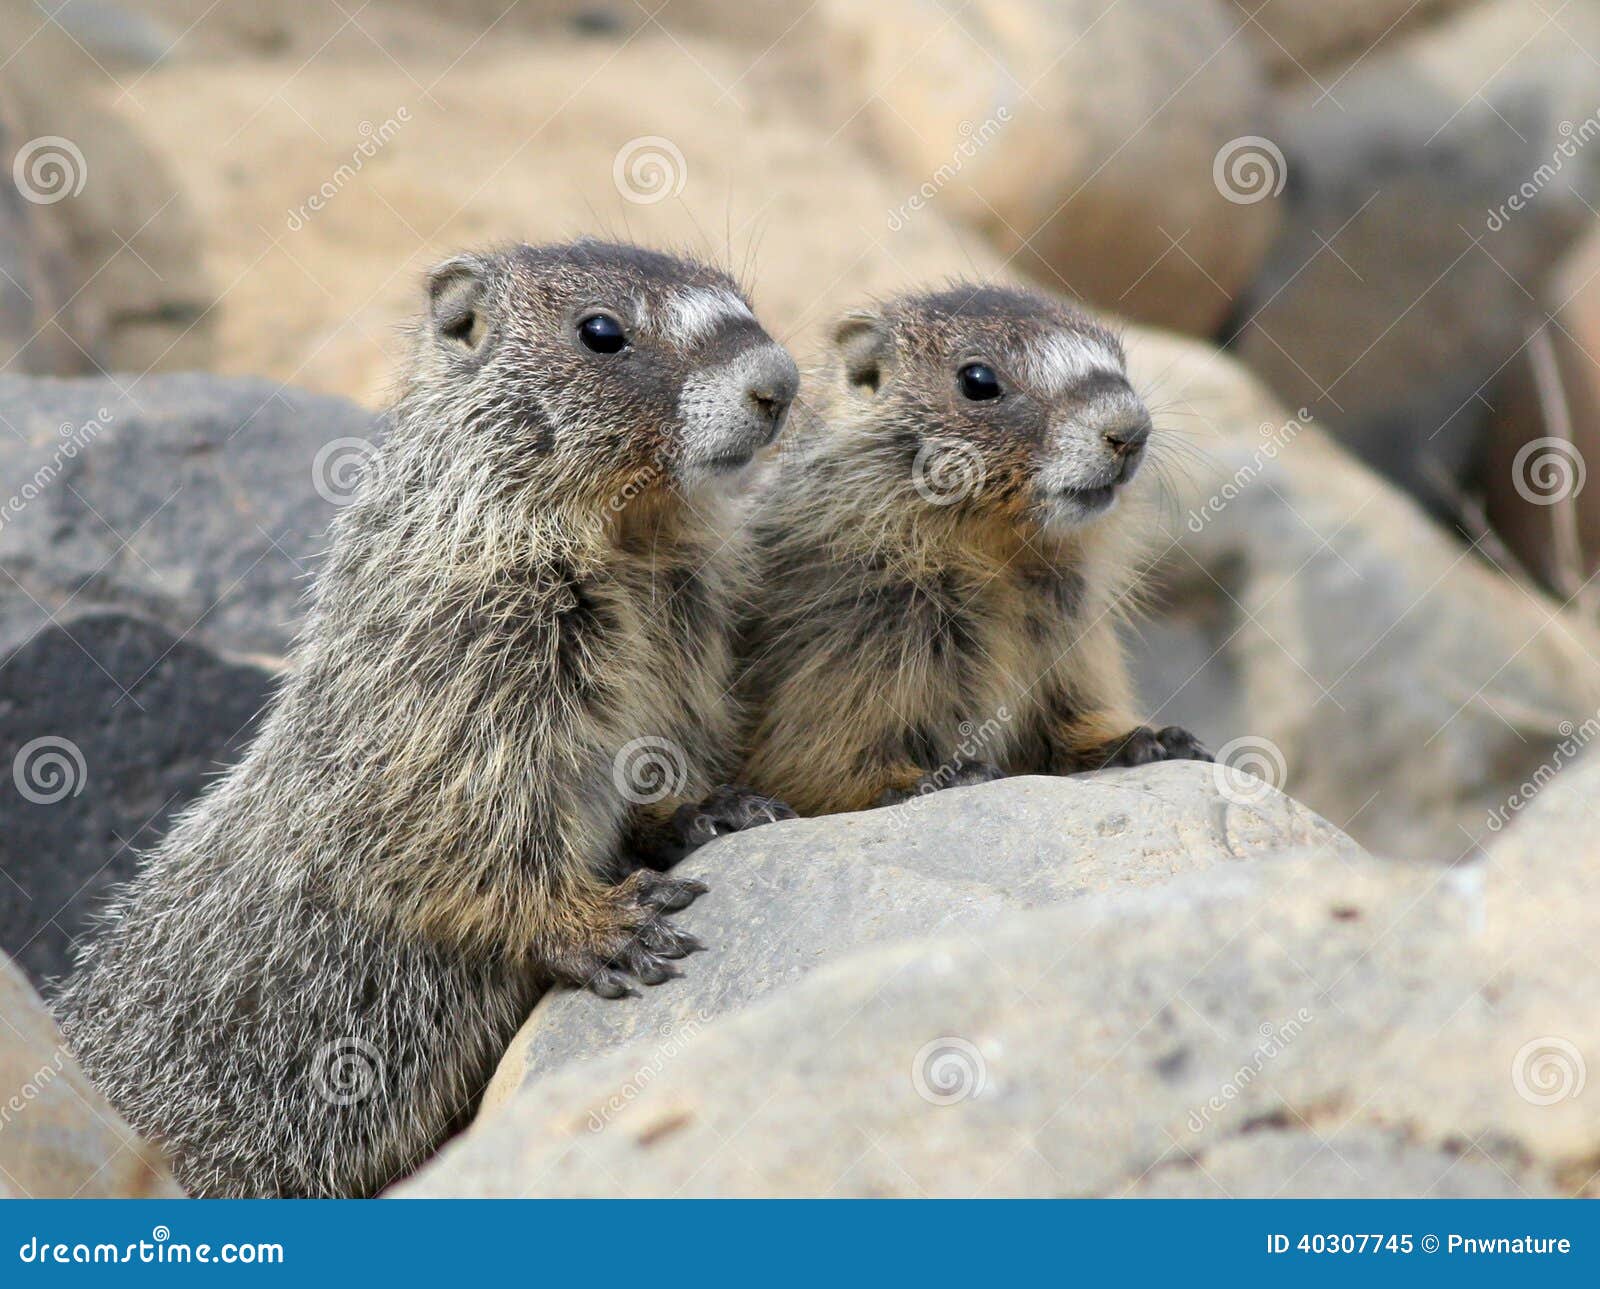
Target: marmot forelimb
{"points": [[941, 574], [513, 675]]}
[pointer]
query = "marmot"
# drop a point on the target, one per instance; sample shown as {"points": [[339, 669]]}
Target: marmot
{"points": [[514, 671], [941, 571]]}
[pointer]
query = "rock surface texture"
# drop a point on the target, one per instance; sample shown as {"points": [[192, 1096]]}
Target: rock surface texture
{"points": [[1298, 1024], [791, 898]]}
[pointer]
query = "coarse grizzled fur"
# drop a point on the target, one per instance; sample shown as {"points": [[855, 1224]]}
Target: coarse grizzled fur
{"points": [[942, 578], [513, 674]]}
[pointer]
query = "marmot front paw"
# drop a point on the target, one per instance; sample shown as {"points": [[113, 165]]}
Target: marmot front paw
{"points": [[730, 808], [1142, 745], [630, 937]]}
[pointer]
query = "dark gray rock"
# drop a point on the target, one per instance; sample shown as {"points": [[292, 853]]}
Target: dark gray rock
{"points": [[108, 726], [190, 500]]}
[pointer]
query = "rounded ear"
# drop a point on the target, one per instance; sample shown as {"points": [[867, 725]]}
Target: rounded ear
{"points": [[866, 346], [457, 296]]}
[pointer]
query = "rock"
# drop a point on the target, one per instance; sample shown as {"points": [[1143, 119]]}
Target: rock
{"points": [[1367, 1163], [789, 898], [112, 34], [190, 500], [108, 727], [35, 276], [139, 293], [60, 1138], [1086, 1049], [1317, 624], [1080, 137], [1300, 38], [323, 236], [1425, 210]]}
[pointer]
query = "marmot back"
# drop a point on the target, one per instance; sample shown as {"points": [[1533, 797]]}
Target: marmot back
{"points": [[512, 677], [944, 557]]}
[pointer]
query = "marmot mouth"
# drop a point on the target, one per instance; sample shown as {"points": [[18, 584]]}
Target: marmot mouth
{"points": [[725, 463], [1089, 500]]}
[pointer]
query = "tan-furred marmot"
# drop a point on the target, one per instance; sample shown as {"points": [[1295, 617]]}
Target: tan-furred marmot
{"points": [[511, 683], [945, 555]]}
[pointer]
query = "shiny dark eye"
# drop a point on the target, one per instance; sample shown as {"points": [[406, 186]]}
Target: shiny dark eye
{"points": [[979, 382], [602, 333]]}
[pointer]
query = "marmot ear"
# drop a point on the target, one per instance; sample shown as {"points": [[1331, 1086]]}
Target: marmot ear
{"points": [[866, 345], [457, 294]]}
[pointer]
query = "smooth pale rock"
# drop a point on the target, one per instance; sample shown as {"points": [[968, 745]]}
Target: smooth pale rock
{"points": [[1365, 1164], [59, 1138], [192, 500], [1080, 136], [1396, 682], [1425, 211], [109, 725], [1324, 1025], [1307, 42], [790, 897]]}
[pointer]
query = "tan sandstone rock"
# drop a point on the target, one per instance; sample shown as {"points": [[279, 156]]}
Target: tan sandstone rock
{"points": [[58, 1136], [1081, 137]]}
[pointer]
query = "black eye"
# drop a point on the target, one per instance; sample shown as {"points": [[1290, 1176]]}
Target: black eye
{"points": [[979, 382], [602, 333]]}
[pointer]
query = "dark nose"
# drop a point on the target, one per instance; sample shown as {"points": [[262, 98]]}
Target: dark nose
{"points": [[772, 387], [1127, 438]]}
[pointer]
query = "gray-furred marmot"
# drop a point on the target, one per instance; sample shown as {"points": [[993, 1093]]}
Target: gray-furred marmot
{"points": [[941, 572], [512, 679]]}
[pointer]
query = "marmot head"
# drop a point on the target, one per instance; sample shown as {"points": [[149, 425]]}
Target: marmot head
{"points": [[600, 367], [990, 401]]}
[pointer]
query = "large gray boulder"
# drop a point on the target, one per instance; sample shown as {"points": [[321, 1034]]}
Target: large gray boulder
{"points": [[59, 1139], [789, 898], [1323, 1024], [156, 537], [191, 500]]}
